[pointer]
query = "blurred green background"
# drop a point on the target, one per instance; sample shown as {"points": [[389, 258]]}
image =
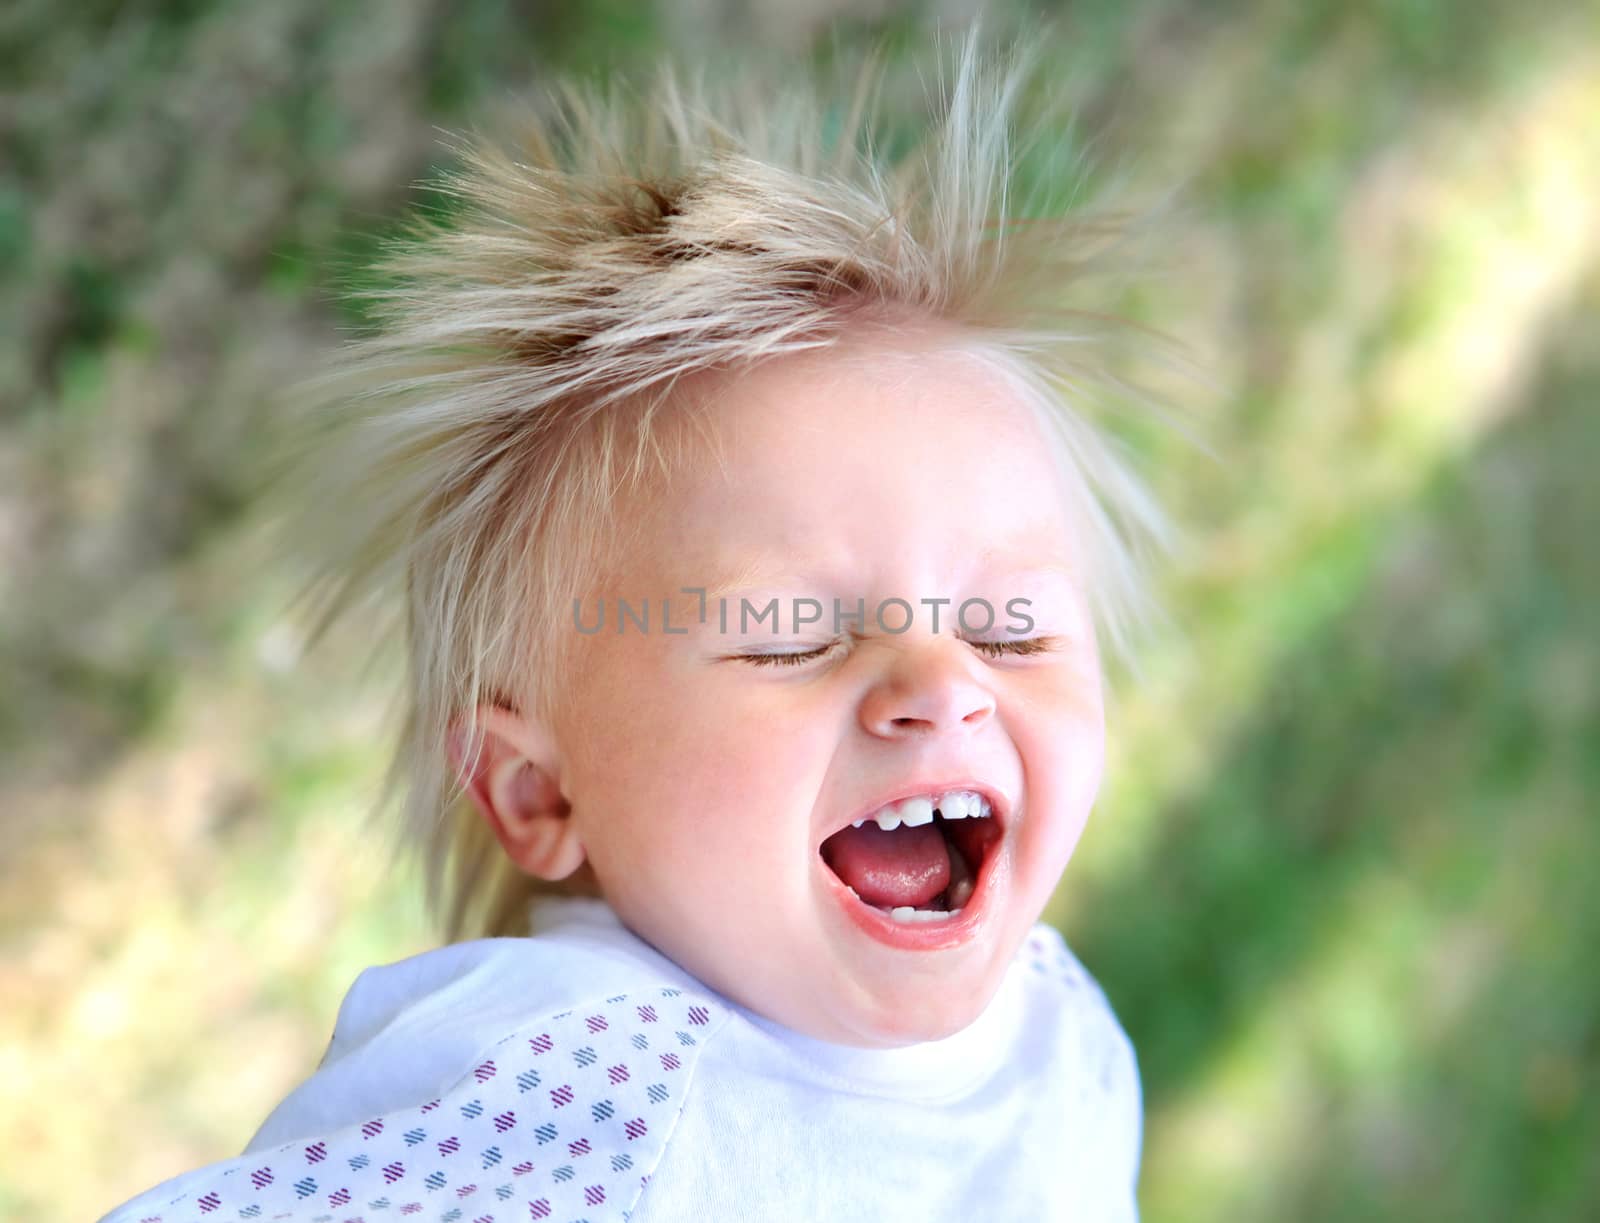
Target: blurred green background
{"points": [[1339, 883]]}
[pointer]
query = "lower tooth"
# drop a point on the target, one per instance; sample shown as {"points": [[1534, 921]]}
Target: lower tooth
{"points": [[960, 892], [906, 913]]}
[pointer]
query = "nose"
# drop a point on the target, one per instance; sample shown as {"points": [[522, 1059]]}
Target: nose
{"points": [[926, 686]]}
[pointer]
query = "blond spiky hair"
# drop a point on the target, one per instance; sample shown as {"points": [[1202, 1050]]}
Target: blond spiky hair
{"points": [[469, 464]]}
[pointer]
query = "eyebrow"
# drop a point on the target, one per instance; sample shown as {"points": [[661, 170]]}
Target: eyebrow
{"points": [[754, 576]]}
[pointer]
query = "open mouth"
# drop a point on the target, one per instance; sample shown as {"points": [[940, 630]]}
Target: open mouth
{"points": [[919, 859]]}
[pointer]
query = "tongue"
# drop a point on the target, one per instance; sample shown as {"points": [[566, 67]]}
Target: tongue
{"points": [[909, 866]]}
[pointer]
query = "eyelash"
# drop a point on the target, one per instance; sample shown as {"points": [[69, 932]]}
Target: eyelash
{"points": [[1020, 648]]}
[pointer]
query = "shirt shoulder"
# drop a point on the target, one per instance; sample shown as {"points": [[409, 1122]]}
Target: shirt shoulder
{"points": [[444, 1090], [1060, 978], [1103, 1084]]}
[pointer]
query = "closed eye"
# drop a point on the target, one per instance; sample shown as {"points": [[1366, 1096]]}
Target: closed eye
{"points": [[1017, 647], [1021, 646], [787, 660]]}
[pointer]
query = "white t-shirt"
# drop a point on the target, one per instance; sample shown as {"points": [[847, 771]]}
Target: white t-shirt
{"points": [[581, 1075]]}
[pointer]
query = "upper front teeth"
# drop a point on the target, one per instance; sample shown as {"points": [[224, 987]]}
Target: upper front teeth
{"points": [[914, 812], [964, 804]]}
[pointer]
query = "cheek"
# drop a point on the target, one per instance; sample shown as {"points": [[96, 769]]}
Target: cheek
{"points": [[687, 782], [1082, 762], [1062, 705], [1061, 737]]}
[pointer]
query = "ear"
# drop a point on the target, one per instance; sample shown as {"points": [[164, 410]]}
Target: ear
{"points": [[513, 775]]}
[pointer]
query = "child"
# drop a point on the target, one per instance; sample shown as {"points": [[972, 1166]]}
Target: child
{"points": [[754, 549]]}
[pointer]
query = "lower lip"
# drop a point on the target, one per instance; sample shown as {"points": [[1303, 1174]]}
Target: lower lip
{"points": [[920, 935]]}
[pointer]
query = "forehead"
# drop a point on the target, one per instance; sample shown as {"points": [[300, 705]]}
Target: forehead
{"points": [[827, 454]]}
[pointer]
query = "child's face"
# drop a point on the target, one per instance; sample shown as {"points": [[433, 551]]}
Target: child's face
{"points": [[703, 786]]}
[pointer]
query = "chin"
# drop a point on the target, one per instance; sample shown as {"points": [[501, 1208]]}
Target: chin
{"points": [[914, 1018]]}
